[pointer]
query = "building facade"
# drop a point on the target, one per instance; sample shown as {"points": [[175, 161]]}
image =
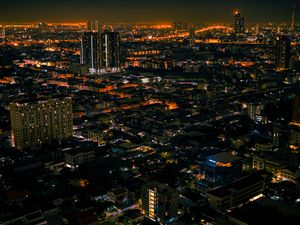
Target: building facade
{"points": [[283, 53], [296, 110], [110, 50], [222, 168], [100, 51], [160, 203], [90, 54], [238, 192], [239, 23], [76, 157], [40, 122]]}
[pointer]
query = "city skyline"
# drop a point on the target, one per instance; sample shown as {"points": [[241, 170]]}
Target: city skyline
{"points": [[146, 11], [161, 112]]}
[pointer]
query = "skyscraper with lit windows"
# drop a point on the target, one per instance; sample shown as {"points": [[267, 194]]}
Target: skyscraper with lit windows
{"points": [[239, 23], [160, 203], [110, 49], [100, 51], [283, 53], [90, 54]]}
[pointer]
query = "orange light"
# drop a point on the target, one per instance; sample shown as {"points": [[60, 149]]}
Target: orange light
{"points": [[223, 164], [293, 147], [295, 124], [247, 64], [172, 105], [236, 12]]}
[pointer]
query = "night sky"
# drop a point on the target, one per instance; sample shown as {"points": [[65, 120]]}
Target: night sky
{"points": [[144, 10]]}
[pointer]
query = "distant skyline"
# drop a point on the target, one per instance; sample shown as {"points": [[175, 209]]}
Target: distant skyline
{"points": [[146, 10]]}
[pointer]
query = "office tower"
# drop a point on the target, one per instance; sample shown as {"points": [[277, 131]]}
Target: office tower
{"points": [[110, 49], [160, 202], [90, 54], [293, 16], [239, 23], [180, 26], [42, 121], [283, 53]]}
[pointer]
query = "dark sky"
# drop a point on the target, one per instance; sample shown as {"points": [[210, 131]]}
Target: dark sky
{"points": [[144, 10]]}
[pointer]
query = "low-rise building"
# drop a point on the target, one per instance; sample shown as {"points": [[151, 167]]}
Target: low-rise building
{"points": [[237, 192], [272, 165], [288, 174], [75, 157]]}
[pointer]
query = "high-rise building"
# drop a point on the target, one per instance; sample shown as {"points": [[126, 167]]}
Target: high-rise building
{"points": [[89, 25], [278, 31], [37, 122], [94, 26], [283, 53], [180, 26], [295, 138], [239, 23], [281, 136], [42, 27], [192, 36], [160, 202], [100, 51], [2, 32], [254, 110], [110, 49], [97, 26], [293, 16], [296, 110], [257, 29], [90, 54]]}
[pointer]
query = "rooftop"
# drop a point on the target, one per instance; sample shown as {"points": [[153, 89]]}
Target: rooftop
{"points": [[237, 185], [223, 157]]}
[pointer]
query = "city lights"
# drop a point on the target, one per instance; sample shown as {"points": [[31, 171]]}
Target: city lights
{"points": [[149, 112]]}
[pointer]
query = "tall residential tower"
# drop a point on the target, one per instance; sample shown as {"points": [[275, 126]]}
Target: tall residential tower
{"points": [[90, 54], [37, 122], [100, 52], [283, 53], [160, 203], [110, 50]]}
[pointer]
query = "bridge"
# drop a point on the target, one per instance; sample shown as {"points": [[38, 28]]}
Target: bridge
{"points": [[204, 29], [186, 34]]}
